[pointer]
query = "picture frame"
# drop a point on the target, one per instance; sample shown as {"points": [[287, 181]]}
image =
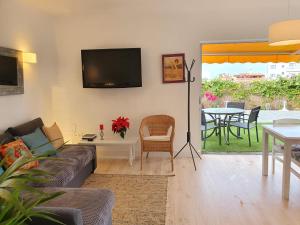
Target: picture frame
{"points": [[13, 89], [173, 70]]}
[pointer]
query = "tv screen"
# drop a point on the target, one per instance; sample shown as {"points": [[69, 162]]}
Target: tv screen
{"points": [[111, 68], [8, 71]]}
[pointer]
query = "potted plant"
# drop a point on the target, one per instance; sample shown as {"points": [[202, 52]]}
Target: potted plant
{"points": [[120, 126], [18, 199]]}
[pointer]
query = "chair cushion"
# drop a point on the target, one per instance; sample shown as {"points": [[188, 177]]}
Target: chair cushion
{"points": [[38, 143], [209, 126], [157, 138], [279, 148], [242, 125], [95, 204], [70, 161]]}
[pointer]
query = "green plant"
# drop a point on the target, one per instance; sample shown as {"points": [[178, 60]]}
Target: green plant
{"points": [[18, 198], [220, 87], [268, 90]]}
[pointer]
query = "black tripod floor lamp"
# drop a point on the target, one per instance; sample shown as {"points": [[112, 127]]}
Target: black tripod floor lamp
{"points": [[188, 133]]}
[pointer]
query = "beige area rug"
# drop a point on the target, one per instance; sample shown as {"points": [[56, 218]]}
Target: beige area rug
{"points": [[140, 200]]}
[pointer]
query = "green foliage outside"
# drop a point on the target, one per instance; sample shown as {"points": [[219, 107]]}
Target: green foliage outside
{"points": [[267, 90]]}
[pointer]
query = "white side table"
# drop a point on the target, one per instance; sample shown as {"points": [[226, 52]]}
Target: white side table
{"points": [[131, 142]]}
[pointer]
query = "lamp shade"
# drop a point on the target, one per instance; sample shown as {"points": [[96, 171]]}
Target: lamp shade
{"points": [[284, 33], [29, 57]]}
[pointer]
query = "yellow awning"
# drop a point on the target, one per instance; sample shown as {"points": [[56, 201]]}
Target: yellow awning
{"points": [[249, 52]]}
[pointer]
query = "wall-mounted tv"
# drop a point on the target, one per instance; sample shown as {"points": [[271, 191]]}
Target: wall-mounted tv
{"points": [[111, 68]]}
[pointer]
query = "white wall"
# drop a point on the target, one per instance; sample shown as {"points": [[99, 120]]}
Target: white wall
{"points": [[158, 27], [25, 29]]}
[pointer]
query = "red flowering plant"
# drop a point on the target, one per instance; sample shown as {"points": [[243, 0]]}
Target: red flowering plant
{"points": [[120, 126], [210, 96], [213, 99]]}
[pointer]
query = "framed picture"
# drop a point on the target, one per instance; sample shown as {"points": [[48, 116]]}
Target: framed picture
{"points": [[173, 68]]}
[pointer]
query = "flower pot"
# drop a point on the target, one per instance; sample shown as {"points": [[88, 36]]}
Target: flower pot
{"points": [[122, 134]]}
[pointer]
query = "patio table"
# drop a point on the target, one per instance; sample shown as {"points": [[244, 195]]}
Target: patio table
{"points": [[227, 114]]}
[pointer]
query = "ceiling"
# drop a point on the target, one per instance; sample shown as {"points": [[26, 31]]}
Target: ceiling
{"points": [[65, 7]]}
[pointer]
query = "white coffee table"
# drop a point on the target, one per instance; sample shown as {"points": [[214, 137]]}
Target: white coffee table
{"points": [[131, 142]]}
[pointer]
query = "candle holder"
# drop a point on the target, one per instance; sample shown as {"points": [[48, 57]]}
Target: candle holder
{"points": [[101, 134]]}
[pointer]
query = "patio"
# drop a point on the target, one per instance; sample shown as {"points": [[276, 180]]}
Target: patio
{"points": [[251, 75], [241, 145], [236, 145]]}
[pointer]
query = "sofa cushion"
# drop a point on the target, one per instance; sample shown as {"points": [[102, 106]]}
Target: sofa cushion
{"points": [[95, 204], [6, 138], [67, 164], [26, 128], [38, 143], [54, 134], [10, 152]]}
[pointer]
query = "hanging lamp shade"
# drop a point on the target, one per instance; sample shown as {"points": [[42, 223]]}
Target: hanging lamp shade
{"points": [[284, 33]]}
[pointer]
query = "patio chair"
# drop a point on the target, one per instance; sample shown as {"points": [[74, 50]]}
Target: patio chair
{"points": [[207, 125], [278, 148], [237, 105], [247, 124]]}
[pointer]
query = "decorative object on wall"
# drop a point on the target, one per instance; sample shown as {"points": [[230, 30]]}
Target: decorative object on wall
{"points": [[101, 131], [120, 126], [188, 133], [29, 57], [173, 68], [11, 72], [285, 32]]}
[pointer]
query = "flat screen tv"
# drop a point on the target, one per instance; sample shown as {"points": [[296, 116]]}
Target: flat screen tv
{"points": [[111, 68], [8, 71]]}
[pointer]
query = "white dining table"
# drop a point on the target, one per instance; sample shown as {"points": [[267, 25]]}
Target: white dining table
{"points": [[289, 135]]}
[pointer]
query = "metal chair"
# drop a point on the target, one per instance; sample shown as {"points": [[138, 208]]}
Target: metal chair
{"points": [[237, 105], [279, 148], [248, 124], [207, 125]]}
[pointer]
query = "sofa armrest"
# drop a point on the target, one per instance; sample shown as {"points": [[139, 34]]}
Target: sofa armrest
{"points": [[68, 216]]}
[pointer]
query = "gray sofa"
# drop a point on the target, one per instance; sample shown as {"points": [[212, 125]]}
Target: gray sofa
{"points": [[78, 206]]}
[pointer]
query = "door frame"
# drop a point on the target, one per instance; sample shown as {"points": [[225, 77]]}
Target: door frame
{"points": [[219, 42]]}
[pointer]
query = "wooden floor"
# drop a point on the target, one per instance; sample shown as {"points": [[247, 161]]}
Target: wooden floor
{"points": [[225, 190]]}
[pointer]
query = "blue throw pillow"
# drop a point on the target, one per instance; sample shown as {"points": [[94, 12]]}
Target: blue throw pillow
{"points": [[38, 143], [1, 170]]}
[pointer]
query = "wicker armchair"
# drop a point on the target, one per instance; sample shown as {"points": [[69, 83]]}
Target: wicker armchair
{"points": [[157, 135]]}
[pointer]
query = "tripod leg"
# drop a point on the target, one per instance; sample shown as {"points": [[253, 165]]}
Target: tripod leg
{"points": [[193, 157], [195, 151], [180, 150]]}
